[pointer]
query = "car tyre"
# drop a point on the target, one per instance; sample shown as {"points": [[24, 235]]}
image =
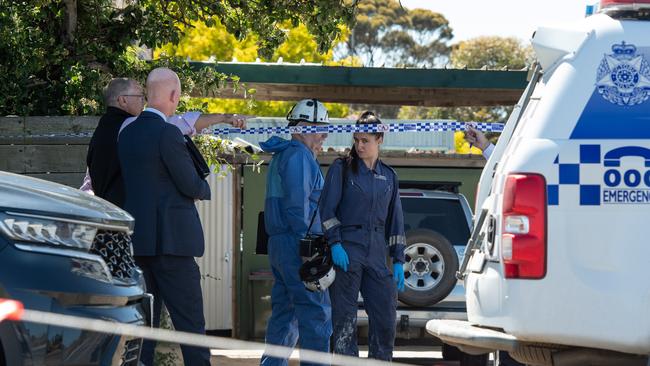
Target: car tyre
{"points": [[430, 268], [506, 360], [450, 353], [474, 360]]}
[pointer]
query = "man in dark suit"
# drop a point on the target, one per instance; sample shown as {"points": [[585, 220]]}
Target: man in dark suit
{"points": [[124, 98], [161, 187]]}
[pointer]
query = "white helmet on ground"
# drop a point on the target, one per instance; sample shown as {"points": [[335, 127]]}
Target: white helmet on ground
{"points": [[308, 110], [317, 274]]}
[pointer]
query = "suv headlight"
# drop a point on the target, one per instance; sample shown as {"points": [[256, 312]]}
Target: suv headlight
{"points": [[56, 232]]}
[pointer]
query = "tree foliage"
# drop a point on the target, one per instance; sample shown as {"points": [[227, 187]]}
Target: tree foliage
{"points": [[58, 54], [215, 43], [385, 33], [493, 52]]}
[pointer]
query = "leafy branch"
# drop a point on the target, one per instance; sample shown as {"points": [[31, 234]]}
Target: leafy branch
{"points": [[220, 154]]}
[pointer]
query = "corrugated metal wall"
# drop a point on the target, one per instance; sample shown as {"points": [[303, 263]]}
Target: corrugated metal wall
{"points": [[217, 217]]}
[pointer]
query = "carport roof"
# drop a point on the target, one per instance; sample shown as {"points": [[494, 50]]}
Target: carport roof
{"points": [[374, 85]]}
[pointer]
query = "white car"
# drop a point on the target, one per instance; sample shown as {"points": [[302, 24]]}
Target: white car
{"points": [[557, 263]]}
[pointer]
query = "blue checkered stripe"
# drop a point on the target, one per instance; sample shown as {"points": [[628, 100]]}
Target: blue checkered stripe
{"points": [[570, 175], [435, 126]]}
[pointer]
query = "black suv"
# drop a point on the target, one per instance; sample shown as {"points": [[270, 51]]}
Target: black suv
{"points": [[67, 252]]}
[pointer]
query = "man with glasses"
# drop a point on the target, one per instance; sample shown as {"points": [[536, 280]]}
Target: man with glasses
{"points": [[125, 99]]}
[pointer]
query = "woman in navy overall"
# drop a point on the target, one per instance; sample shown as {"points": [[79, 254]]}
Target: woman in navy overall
{"points": [[363, 223]]}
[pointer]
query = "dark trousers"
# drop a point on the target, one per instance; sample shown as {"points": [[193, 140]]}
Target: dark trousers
{"points": [[298, 316], [368, 274], [175, 281]]}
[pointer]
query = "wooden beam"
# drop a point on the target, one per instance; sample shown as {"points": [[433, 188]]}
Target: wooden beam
{"points": [[372, 85], [428, 97]]}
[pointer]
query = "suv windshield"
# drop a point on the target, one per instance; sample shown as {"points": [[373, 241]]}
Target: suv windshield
{"points": [[445, 216]]}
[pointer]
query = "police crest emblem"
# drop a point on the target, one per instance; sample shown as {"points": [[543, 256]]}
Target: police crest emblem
{"points": [[624, 76]]}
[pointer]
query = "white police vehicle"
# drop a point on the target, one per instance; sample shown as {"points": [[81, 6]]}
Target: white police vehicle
{"points": [[558, 272]]}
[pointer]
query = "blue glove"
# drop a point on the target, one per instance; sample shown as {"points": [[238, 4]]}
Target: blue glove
{"points": [[340, 257], [398, 275]]}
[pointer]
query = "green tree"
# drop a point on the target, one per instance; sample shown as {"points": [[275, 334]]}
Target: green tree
{"points": [[493, 52], [203, 43], [388, 34], [57, 55], [215, 43]]}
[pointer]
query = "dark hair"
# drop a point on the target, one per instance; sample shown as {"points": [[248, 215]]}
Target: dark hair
{"points": [[366, 118]]}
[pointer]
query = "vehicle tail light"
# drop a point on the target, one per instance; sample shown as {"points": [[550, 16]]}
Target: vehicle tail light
{"points": [[523, 244]]}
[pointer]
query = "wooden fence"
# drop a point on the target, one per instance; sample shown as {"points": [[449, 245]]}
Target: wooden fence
{"points": [[39, 147]]}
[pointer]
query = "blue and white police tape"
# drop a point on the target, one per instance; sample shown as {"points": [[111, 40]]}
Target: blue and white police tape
{"points": [[433, 126], [425, 126]]}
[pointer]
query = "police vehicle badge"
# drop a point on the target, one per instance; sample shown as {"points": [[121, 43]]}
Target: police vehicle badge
{"points": [[624, 76]]}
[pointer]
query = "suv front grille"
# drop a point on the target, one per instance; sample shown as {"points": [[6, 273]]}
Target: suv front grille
{"points": [[131, 354], [115, 248]]}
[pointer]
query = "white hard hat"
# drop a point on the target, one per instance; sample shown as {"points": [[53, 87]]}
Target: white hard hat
{"points": [[317, 274], [308, 110]]}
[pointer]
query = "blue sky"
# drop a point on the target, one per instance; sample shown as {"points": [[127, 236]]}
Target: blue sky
{"points": [[518, 18]]}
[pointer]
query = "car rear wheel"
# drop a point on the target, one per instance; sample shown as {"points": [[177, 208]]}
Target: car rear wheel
{"points": [[429, 269], [474, 360]]}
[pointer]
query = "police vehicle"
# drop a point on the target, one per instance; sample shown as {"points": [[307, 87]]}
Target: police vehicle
{"points": [[557, 263]]}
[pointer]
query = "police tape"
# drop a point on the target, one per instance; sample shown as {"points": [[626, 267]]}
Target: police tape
{"points": [[170, 336], [426, 126], [432, 126]]}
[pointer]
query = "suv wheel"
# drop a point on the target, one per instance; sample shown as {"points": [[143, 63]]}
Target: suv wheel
{"points": [[474, 360], [430, 268]]}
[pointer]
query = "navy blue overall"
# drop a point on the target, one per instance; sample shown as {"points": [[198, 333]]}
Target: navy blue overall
{"points": [[363, 212]]}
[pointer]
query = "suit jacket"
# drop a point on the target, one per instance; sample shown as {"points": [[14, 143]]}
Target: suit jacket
{"points": [[161, 186], [102, 161]]}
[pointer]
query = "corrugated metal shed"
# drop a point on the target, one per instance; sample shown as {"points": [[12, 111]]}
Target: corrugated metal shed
{"points": [[218, 218]]}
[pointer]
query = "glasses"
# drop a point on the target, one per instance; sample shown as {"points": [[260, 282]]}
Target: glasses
{"points": [[141, 96]]}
